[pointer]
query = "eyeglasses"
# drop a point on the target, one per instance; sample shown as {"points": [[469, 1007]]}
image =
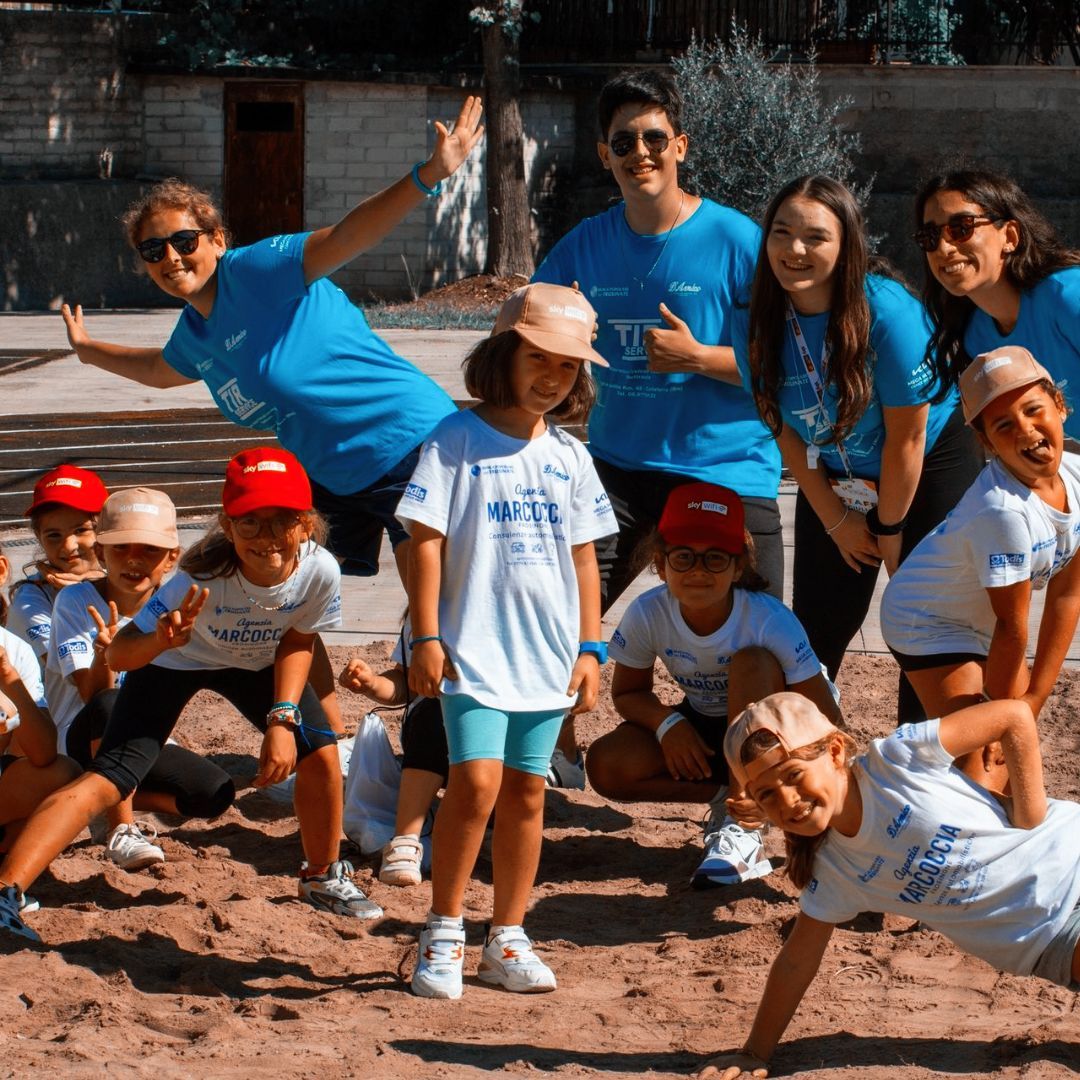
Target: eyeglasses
{"points": [[183, 242], [280, 525], [683, 559], [655, 140], [958, 229]]}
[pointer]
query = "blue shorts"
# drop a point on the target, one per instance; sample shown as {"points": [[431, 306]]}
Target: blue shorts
{"points": [[520, 740], [357, 521]]}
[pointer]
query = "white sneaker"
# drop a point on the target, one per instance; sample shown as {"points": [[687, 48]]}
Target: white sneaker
{"points": [[401, 859], [732, 855], [564, 773], [131, 850], [439, 960], [508, 961]]}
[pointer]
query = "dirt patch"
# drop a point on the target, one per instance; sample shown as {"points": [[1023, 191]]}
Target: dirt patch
{"points": [[208, 966]]}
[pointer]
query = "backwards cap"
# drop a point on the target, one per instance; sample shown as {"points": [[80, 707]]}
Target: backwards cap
{"points": [[138, 516], [703, 513], [554, 318], [68, 485], [795, 721], [262, 477], [992, 374]]}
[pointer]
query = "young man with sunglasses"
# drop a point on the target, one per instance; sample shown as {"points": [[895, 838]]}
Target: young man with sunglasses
{"points": [[663, 269]]}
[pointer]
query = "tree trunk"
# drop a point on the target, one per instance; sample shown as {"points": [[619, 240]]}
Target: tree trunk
{"points": [[510, 248]]}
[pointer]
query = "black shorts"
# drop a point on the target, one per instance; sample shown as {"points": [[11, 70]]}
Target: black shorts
{"points": [[423, 738], [908, 662], [357, 521]]}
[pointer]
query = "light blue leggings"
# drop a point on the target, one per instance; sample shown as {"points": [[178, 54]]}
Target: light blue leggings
{"points": [[520, 740]]}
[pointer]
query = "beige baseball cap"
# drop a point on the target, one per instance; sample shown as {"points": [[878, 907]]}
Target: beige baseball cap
{"points": [[795, 721], [554, 318], [138, 516], [992, 374]]}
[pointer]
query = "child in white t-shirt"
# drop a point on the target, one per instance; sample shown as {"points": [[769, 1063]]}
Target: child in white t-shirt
{"points": [[240, 619], [725, 643], [955, 614], [504, 597], [899, 829]]}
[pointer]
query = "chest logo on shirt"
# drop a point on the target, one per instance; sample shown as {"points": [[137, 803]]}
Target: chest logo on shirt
{"points": [[236, 402], [234, 340]]}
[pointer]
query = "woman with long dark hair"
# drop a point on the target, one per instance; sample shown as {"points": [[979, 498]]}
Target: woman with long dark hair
{"points": [[834, 356], [997, 274]]}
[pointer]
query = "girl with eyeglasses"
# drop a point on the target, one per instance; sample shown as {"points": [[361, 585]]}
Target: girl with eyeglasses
{"points": [[282, 348], [240, 618], [725, 643], [835, 358], [997, 274]]}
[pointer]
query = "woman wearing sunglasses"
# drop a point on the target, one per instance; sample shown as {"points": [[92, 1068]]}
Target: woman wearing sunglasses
{"points": [[997, 274], [282, 348], [834, 356]]}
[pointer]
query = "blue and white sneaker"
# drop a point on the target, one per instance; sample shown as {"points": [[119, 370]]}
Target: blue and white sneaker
{"points": [[732, 855], [10, 917], [440, 959], [336, 892]]}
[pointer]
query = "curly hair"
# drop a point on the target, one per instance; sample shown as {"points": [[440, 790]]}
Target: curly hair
{"points": [[1039, 252], [849, 318], [173, 194]]}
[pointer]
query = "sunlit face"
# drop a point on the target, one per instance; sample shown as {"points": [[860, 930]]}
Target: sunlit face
{"points": [[698, 589], [541, 381], [803, 249], [135, 570], [968, 267], [804, 797], [1024, 428], [642, 171], [67, 539], [267, 559], [182, 276]]}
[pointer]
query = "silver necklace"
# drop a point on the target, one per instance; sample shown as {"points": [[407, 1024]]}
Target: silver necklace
{"points": [[642, 282]]}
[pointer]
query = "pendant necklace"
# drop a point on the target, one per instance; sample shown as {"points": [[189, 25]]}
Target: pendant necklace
{"points": [[642, 282]]}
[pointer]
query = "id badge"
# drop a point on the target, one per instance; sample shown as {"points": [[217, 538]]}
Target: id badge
{"points": [[855, 494]]}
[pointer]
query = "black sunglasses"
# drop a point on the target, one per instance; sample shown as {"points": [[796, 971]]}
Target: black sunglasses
{"points": [[684, 559], [183, 242], [280, 525], [958, 229], [656, 141]]}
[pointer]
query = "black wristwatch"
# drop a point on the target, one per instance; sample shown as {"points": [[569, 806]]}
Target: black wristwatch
{"points": [[878, 528]]}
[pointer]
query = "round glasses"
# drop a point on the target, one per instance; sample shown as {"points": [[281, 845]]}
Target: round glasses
{"points": [[655, 140], [279, 526], [183, 242], [683, 559], [957, 229]]}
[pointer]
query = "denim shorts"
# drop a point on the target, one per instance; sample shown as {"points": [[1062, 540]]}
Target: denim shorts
{"points": [[1055, 964], [520, 740], [357, 521]]}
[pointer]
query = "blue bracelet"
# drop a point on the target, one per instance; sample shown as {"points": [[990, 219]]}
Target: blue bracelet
{"points": [[429, 192], [420, 640]]}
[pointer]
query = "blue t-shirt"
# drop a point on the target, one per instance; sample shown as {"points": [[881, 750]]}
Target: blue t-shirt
{"points": [[302, 361], [1048, 327], [678, 423], [899, 330]]}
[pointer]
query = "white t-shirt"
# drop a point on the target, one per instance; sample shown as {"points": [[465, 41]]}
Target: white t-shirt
{"points": [[935, 846], [998, 534], [25, 663], [71, 649], [653, 626], [510, 510], [241, 624], [30, 614]]}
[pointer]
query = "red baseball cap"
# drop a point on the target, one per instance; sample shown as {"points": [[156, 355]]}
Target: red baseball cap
{"points": [[262, 477], [703, 513], [68, 485]]}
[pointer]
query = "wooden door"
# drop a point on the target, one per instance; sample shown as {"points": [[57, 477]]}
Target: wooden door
{"points": [[264, 159]]}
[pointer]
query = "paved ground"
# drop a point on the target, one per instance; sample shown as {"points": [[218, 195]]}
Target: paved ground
{"points": [[52, 408]]}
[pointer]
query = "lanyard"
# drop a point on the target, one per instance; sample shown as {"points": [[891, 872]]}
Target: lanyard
{"points": [[812, 450]]}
